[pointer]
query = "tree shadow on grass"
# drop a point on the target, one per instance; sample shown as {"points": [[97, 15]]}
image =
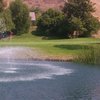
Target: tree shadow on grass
{"points": [[34, 32], [72, 47]]}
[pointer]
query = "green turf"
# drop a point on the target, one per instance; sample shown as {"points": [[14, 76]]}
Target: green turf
{"points": [[60, 47]]}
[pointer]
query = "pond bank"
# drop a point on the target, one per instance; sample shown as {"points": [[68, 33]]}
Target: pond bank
{"points": [[26, 53], [53, 58]]}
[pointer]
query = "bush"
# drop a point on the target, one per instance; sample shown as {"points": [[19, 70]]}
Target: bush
{"points": [[6, 23], [20, 15], [52, 23], [92, 25]]}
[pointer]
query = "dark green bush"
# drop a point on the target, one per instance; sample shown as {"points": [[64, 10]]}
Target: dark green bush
{"points": [[52, 23]]}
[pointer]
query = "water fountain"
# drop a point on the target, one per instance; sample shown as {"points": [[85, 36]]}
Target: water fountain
{"points": [[16, 66], [22, 78]]}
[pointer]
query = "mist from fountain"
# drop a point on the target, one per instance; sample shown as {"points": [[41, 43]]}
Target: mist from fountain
{"points": [[16, 66]]}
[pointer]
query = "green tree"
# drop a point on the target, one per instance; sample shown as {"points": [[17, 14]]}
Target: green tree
{"points": [[92, 25], [2, 21], [2, 24], [52, 23], [36, 10], [76, 27], [8, 20], [1, 5], [79, 8], [20, 16], [81, 11], [6, 23]]}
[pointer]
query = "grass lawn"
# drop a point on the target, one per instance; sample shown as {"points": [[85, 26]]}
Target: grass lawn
{"points": [[58, 47]]}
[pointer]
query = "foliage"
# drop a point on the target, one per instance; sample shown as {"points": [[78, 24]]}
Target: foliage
{"points": [[79, 8], [90, 55], [92, 25], [20, 15], [1, 5], [36, 10], [76, 27], [2, 23], [52, 23], [8, 20], [77, 20], [6, 23], [81, 12]]}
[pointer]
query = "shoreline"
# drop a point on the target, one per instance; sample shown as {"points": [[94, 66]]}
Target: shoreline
{"points": [[40, 59], [26, 53]]}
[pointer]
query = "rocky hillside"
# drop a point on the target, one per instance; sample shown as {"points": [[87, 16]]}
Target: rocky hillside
{"points": [[45, 4], [97, 6]]}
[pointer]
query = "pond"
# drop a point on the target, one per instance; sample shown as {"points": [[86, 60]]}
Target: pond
{"points": [[43, 80]]}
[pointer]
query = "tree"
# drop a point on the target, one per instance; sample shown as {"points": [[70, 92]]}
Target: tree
{"points": [[36, 10], [81, 11], [2, 24], [52, 23], [92, 25], [76, 27], [8, 20], [2, 21], [20, 16], [1, 5], [6, 23], [79, 8]]}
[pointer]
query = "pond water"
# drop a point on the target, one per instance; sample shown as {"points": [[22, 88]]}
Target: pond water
{"points": [[42, 80]]}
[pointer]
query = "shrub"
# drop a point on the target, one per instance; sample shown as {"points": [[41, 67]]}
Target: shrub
{"points": [[52, 23], [20, 15]]}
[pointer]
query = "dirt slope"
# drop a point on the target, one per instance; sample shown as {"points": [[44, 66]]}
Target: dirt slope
{"points": [[97, 6], [45, 4]]}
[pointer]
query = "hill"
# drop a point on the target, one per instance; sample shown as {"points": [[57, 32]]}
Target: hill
{"points": [[45, 4], [97, 6]]}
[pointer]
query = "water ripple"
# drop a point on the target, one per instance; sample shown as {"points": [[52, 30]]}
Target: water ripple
{"points": [[19, 71]]}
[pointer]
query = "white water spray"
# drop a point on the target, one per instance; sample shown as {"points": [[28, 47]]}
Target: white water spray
{"points": [[12, 70]]}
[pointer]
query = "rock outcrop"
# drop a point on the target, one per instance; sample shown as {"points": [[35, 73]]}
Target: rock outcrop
{"points": [[97, 8], [45, 4]]}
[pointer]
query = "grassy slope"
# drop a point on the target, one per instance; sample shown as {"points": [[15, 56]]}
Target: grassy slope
{"points": [[60, 47]]}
